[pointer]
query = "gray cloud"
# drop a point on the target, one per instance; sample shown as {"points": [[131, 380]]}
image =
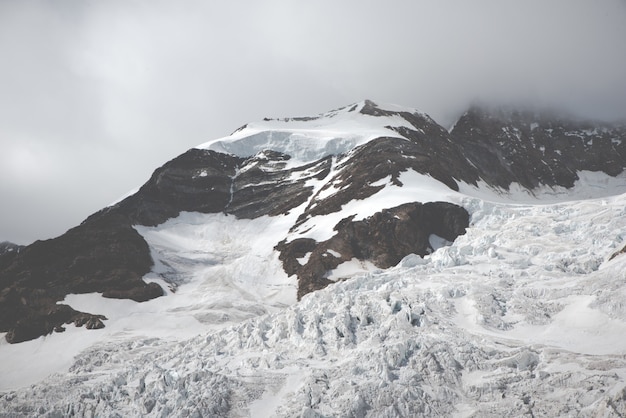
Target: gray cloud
{"points": [[95, 95]]}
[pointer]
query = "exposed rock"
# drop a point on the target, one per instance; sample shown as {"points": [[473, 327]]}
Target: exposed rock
{"points": [[383, 239], [210, 182], [196, 181], [104, 254], [427, 149], [532, 149], [42, 322], [264, 187], [8, 251], [8, 247], [622, 251], [138, 292], [89, 321]]}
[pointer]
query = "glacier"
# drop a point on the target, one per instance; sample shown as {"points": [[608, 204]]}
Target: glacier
{"points": [[524, 314]]}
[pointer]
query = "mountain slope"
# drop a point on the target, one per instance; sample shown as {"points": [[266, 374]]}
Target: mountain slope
{"points": [[522, 315], [533, 149], [331, 165], [511, 290]]}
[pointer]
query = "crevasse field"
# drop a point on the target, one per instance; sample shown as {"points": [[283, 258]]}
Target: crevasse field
{"points": [[525, 314]]}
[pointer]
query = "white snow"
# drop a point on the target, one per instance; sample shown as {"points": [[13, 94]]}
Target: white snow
{"points": [[309, 140], [416, 188], [590, 185], [222, 269], [305, 259], [333, 253], [351, 268]]}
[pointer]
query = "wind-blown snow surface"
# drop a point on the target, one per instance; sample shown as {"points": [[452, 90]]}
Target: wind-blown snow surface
{"points": [[311, 138], [523, 314]]}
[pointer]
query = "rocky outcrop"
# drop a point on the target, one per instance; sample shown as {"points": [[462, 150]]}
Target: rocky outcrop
{"points": [[383, 239], [104, 254], [8, 251], [618, 253], [7, 247], [425, 148], [534, 149], [264, 186], [211, 182]]}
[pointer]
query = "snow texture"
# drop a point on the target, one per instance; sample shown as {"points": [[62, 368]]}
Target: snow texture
{"points": [[310, 139]]}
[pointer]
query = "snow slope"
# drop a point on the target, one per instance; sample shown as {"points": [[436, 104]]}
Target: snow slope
{"points": [[522, 315], [311, 138]]}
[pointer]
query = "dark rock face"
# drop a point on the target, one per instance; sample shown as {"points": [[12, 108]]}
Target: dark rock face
{"points": [[383, 239], [210, 182], [9, 248], [263, 186], [531, 149], [197, 180], [8, 251], [426, 149], [104, 254]]}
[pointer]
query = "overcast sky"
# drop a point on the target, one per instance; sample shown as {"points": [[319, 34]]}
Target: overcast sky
{"points": [[94, 95]]}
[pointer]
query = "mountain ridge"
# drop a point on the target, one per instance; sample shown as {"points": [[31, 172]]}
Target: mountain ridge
{"points": [[316, 165]]}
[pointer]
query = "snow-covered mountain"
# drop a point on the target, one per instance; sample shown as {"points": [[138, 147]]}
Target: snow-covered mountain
{"points": [[364, 262]]}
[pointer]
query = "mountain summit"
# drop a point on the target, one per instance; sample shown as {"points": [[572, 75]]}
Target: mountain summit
{"points": [[355, 186]]}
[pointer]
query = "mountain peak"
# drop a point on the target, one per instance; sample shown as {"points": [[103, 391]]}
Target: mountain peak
{"points": [[309, 138]]}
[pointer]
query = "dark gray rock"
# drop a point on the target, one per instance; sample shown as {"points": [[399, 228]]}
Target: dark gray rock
{"points": [[534, 149], [383, 239], [389, 157], [105, 254], [196, 181], [9, 248], [8, 251], [264, 187], [617, 253]]}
